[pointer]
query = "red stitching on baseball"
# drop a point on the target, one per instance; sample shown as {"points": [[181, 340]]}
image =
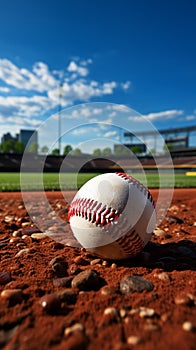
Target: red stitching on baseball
{"points": [[93, 211], [102, 215], [134, 238], [138, 184]]}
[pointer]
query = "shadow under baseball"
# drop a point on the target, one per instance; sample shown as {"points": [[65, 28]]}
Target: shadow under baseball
{"points": [[179, 256]]}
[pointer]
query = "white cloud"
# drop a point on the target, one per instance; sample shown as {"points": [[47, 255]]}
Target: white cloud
{"points": [[79, 131], [84, 112], [73, 67], [29, 95], [97, 111], [40, 79], [24, 106], [109, 87], [126, 85], [4, 89], [20, 121], [190, 117], [110, 134], [41, 70], [86, 62], [118, 108], [94, 83], [112, 114], [164, 115]]}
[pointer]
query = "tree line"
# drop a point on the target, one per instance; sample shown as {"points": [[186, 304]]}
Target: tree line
{"points": [[17, 147]]}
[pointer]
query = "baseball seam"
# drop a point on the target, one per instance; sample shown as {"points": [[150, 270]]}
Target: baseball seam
{"points": [[103, 216], [93, 211], [136, 245], [138, 184], [99, 213]]}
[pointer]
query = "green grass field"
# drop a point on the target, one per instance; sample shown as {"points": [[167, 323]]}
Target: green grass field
{"points": [[71, 181]]}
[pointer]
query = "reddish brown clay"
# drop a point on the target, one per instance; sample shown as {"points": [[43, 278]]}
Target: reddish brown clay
{"points": [[41, 308]]}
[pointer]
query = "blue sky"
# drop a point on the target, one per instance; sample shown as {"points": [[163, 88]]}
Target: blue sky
{"points": [[141, 54]]}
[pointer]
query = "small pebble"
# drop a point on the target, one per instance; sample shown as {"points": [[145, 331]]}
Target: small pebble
{"points": [[164, 317], [146, 312], [131, 284], [134, 311], [105, 263], [13, 296], [17, 233], [38, 236], [57, 245], [25, 224], [108, 290], [51, 303], [80, 260], [133, 340], [75, 328], [9, 218], [163, 276], [110, 310], [21, 245], [68, 296], [30, 230], [127, 320], [59, 269], [23, 252], [122, 313], [24, 236], [95, 261], [55, 260], [158, 232], [59, 266], [110, 315], [62, 282], [26, 239], [188, 326], [183, 299], [76, 341], [174, 208], [15, 240], [192, 298], [113, 266], [5, 277], [85, 280]]}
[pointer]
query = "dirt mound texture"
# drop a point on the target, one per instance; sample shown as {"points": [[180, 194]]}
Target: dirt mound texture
{"points": [[57, 297]]}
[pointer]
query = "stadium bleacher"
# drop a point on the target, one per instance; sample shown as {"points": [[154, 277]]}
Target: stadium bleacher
{"points": [[85, 163]]}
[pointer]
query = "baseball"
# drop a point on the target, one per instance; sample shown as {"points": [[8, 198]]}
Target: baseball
{"points": [[113, 216]]}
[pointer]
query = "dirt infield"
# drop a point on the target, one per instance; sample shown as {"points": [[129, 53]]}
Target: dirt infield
{"points": [[46, 303]]}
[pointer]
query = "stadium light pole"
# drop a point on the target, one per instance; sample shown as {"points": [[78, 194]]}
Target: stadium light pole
{"points": [[59, 117]]}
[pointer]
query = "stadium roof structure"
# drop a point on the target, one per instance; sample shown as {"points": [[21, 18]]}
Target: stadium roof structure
{"points": [[186, 129]]}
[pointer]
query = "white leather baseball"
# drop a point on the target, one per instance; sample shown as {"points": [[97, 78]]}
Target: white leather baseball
{"points": [[113, 215]]}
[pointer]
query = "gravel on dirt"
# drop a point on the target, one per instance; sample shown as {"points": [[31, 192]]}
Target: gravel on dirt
{"points": [[54, 296]]}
